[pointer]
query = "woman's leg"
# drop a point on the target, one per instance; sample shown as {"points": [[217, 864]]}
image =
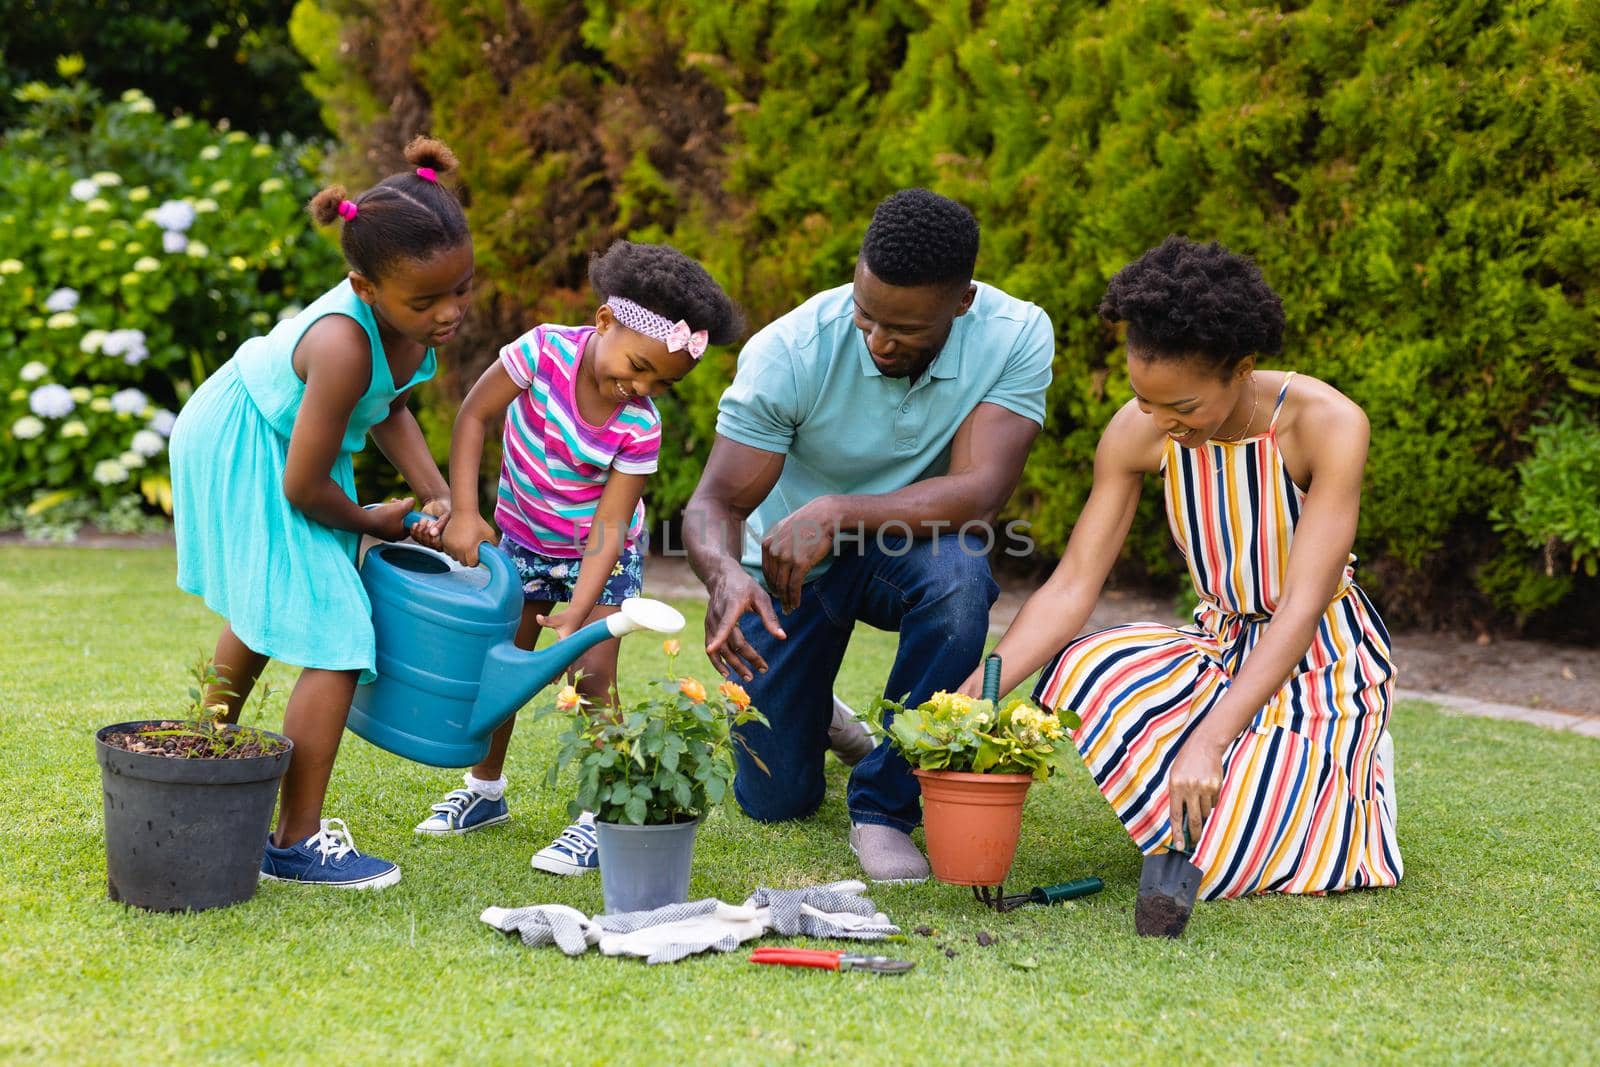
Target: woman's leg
{"points": [[314, 721]]}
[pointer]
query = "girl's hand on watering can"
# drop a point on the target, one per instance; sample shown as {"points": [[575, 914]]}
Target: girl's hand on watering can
{"points": [[462, 536], [564, 623], [388, 520], [430, 531]]}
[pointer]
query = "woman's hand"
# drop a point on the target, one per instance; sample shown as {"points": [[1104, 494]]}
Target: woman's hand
{"points": [[463, 533], [430, 531], [564, 623], [1193, 784], [973, 686]]}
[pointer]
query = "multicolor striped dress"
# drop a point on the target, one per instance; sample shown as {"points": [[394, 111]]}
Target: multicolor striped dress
{"points": [[555, 463], [1307, 799]]}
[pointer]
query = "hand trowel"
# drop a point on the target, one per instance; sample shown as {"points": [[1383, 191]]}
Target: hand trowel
{"points": [[1167, 887]]}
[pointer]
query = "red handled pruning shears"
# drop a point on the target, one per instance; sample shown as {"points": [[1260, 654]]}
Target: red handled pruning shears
{"points": [[829, 961]]}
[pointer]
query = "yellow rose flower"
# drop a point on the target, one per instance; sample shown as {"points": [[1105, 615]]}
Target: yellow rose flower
{"points": [[569, 699], [735, 693], [670, 646], [692, 689]]}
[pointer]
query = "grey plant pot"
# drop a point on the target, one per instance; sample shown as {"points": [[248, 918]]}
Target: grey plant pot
{"points": [[645, 867]]}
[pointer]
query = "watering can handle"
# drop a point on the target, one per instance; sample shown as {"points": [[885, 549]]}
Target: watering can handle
{"points": [[502, 572]]}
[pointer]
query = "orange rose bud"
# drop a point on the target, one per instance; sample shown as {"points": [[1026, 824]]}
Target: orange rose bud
{"points": [[670, 646], [692, 689], [735, 693]]}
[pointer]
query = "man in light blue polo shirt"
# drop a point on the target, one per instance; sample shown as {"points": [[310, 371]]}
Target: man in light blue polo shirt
{"points": [[867, 444]]}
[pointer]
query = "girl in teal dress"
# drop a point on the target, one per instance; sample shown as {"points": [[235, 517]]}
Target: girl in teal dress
{"points": [[263, 488]]}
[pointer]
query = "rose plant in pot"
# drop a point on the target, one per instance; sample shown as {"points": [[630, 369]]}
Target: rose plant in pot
{"points": [[975, 760], [188, 801], [650, 771]]}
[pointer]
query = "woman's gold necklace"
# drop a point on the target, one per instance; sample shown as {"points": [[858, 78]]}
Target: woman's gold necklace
{"points": [[1255, 402]]}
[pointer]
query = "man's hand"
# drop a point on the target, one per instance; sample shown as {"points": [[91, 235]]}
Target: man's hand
{"points": [[798, 542], [430, 531], [462, 536], [1193, 785], [728, 600]]}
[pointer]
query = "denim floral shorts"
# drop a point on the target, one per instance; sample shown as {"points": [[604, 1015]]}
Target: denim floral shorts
{"points": [[554, 577]]}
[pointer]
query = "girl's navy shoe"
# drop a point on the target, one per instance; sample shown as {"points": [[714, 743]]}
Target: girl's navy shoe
{"points": [[328, 857], [463, 811]]}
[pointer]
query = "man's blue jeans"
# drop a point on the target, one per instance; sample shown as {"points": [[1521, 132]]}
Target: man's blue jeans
{"points": [[937, 593]]}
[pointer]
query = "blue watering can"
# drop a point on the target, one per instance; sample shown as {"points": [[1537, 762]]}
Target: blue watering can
{"points": [[448, 672]]}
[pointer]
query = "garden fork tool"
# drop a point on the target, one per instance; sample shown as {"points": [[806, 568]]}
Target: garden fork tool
{"points": [[829, 961], [1039, 894]]}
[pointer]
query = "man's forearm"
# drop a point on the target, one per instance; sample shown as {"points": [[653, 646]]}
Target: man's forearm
{"points": [[713, 537], [928, 508]]}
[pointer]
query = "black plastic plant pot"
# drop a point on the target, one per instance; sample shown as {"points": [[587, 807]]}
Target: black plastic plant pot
{"points": [[185, 834]]}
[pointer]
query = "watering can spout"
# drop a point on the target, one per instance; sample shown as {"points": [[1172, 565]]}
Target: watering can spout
{"points": [[511, 676]]}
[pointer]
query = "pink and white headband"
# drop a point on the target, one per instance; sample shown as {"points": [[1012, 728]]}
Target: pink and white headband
{"points": [[675, 335]]}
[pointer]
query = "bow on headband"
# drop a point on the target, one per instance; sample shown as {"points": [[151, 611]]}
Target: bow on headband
{"points": [[675, 335], [679, 339]]}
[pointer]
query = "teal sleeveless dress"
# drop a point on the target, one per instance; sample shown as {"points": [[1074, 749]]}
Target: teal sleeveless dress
{"points": [[286, 584]]}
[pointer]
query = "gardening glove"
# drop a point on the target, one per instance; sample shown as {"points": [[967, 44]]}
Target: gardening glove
{"points": [[671, 933], [836, 910], [546, 924]]}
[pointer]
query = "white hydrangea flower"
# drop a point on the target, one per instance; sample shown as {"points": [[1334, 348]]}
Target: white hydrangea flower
{"points": [[133, 248], [92, 341], [110, 472], [210, 152], [10, 266], [174, 215], [161, 422], [83, 232], [220, 186], [173, 242], [129, 401], [289, 311], [139, 194], [84, 190], [102, 404], [99, 204], [142, 107], [148, 442], [107, 245], [106, 179], [51, 401], [26, 428], [75, 428], [63, 299], [81, 393], [129, 344], [205, 205], [131, 460], [182, 122], [197, 250], [61, 320], [271, 185], [146, 264], [32, 371], [261, 151], [131, 95]]}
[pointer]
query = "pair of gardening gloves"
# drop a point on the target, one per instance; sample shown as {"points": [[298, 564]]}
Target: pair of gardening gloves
{"points": [[668, 934]]}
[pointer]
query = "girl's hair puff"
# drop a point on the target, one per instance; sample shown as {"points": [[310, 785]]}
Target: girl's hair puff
{"points": [[405, 216], [666, 281]]}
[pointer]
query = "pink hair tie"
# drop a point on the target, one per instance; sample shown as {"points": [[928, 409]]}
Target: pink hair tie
{"points": [[348, 209], [428, 174]]}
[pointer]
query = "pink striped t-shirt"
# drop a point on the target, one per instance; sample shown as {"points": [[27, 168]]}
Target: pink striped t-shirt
{"points": [[555, 464]]}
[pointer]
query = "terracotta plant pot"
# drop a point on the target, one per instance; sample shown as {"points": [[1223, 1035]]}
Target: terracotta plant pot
{"points": [[972, 822]]}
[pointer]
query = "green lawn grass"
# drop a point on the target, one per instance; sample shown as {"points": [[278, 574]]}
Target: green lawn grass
{"points": [[1487, 951]]}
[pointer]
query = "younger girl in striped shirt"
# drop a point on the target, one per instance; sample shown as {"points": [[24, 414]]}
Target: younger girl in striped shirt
{"points": [[580, 438], [1254, 739]]}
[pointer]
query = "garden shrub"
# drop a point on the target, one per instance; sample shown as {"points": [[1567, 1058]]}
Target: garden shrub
{"points": [[1416, 179], [140, 251]]}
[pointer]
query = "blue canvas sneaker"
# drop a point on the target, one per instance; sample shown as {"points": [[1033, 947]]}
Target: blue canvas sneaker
{"points": [[463, 811], [328, 857], [576, 851]]}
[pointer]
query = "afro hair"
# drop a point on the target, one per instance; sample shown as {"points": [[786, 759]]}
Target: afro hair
{"points": [[918, 237], [1183, 298], [666, 281]]}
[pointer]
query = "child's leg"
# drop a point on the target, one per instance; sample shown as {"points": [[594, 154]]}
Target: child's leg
{"points": [[314, 721], [238, 667], [490, 767], [598, 666]]}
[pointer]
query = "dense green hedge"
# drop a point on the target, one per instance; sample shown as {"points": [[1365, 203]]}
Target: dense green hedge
{"points": [[1417, 180]]}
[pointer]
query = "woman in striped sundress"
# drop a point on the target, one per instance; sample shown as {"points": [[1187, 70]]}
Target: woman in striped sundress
{"points": [[1257, 734]]}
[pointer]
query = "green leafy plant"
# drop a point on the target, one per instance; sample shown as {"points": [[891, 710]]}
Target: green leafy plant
{"points": [[1558, 503], [205, 719], [667, 758], [953, 732]]}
